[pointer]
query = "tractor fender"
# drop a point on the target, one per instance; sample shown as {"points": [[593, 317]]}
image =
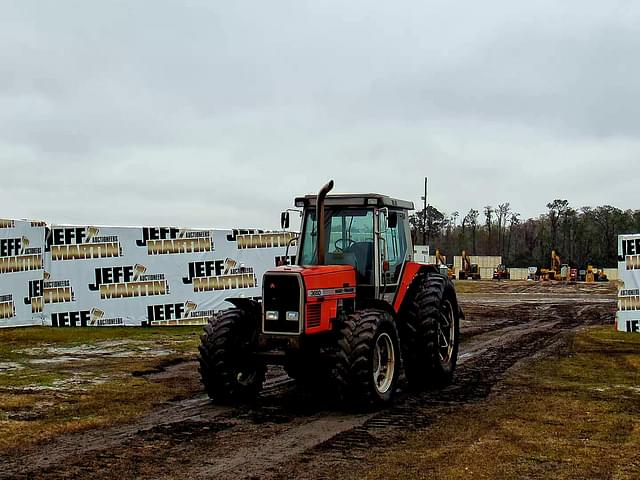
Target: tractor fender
{"points": [[378, 304], [251, 306], [410, 271]]}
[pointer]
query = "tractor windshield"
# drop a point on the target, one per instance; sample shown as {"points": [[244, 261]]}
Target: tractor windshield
{"points": [[349, 234]]}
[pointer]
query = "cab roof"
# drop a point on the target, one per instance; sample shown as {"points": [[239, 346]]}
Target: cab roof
{"points": [[356, 200]]}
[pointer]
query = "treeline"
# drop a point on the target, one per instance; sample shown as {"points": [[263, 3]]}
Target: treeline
{"points": [[580, 236]]}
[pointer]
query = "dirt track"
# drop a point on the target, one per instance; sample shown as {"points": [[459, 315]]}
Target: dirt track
{"points": [[288, 433]]}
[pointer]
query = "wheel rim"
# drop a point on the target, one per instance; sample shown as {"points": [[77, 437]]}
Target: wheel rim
{"points": [[384, 363], [446, 332], [246, 378]]}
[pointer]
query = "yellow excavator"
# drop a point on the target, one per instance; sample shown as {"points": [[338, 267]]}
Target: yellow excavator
{"points": [[555, 262], [552, 273], [469, 271], [441, 262]]}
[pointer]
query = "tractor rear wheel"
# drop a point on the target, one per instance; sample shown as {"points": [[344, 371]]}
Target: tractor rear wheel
{"points": [[430, 332], [228, 368], [368, 357]]}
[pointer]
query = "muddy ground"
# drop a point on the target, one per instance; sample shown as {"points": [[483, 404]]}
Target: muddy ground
{"points": [[288, 433]]}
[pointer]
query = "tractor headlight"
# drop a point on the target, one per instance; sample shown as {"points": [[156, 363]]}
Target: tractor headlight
{"points": [[271, 315], [292, 316]]}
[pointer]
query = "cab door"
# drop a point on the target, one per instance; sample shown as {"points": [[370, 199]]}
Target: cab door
{"points": [[392, 251]]}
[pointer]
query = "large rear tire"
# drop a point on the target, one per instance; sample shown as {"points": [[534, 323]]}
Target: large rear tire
{"points": [[430, 332], [368, 358], [228, 367]]}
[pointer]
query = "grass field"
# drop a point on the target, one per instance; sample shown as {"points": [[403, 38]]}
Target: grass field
{"points": [[574, 416], [54, 380]]}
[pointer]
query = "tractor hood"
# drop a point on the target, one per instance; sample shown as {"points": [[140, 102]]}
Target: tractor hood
{"points": [[316, 276], [316, 291]]}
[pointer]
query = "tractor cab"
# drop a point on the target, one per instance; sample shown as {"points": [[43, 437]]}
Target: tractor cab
{"points": [[369, 232]]}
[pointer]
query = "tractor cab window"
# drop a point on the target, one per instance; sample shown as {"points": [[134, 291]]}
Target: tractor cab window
{"points": [[349, 234], [393, 232]]}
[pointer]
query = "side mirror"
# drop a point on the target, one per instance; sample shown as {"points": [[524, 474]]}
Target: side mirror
{"points": [[284, 220], [382, 213]]}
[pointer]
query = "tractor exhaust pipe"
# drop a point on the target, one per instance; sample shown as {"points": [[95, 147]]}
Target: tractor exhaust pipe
{"points": [[320, 214]]}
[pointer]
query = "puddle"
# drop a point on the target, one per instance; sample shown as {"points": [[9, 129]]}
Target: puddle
{"points": [[78, 382], [115, 349], [96, 354], [55, 360], [99, 348], [465, 356], [629, 388], [9, 366], [144, 353], [635, 390]]}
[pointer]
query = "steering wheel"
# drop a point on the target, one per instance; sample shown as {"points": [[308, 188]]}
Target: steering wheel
{"points": [[342, 241]]}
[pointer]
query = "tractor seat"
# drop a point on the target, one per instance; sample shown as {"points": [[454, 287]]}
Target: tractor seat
{"points": [[363, 252]]}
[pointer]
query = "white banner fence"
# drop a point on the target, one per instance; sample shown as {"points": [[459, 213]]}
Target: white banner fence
{"points": [[21, 272], [110, 276], [628, 316]]}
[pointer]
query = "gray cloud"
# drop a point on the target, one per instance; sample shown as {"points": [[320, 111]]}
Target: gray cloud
{"points": [[214, 113]]}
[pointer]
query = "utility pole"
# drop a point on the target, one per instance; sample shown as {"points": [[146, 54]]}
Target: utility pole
{"points": [[424, 212]]}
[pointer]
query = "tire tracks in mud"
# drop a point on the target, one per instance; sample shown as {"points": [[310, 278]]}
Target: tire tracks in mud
{"points": [[475, 379], [175, 420], [291, 434]]}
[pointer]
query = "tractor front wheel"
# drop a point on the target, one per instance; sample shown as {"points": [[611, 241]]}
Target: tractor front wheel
{"points": [[228, 368], [368, 357]]}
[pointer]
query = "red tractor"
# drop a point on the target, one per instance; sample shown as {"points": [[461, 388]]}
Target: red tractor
{"points": [[348, 315]]}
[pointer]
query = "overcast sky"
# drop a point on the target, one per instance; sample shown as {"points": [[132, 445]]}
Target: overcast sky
{"points": [[217, 113]]}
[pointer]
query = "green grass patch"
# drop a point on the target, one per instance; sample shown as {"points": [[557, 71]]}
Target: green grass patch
{"points": [[61, 380], [576, 416]]}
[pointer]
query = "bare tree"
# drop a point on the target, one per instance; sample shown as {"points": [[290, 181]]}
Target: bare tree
{"points": [[488, 213], [514, 221], [503, 213], [557, 209], [471, 219]]}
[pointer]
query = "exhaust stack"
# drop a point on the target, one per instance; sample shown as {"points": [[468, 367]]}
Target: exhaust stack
{"points": [[320, 214]]}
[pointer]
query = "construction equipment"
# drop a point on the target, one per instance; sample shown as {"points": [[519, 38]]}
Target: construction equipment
{"points": [[444, 267], [353, 309], [553, 273], [595, 275], [469, 271], [590, 276], [556, 263], [451, 272], [573, 275], [501, 272], [565, 273]]}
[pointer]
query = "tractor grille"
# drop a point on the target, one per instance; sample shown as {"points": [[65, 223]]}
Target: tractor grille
{"points": [[282, 294], [313, 315]]}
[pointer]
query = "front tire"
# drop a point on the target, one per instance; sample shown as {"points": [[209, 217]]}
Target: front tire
{"points": [[228, 368], [368, 360]]}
